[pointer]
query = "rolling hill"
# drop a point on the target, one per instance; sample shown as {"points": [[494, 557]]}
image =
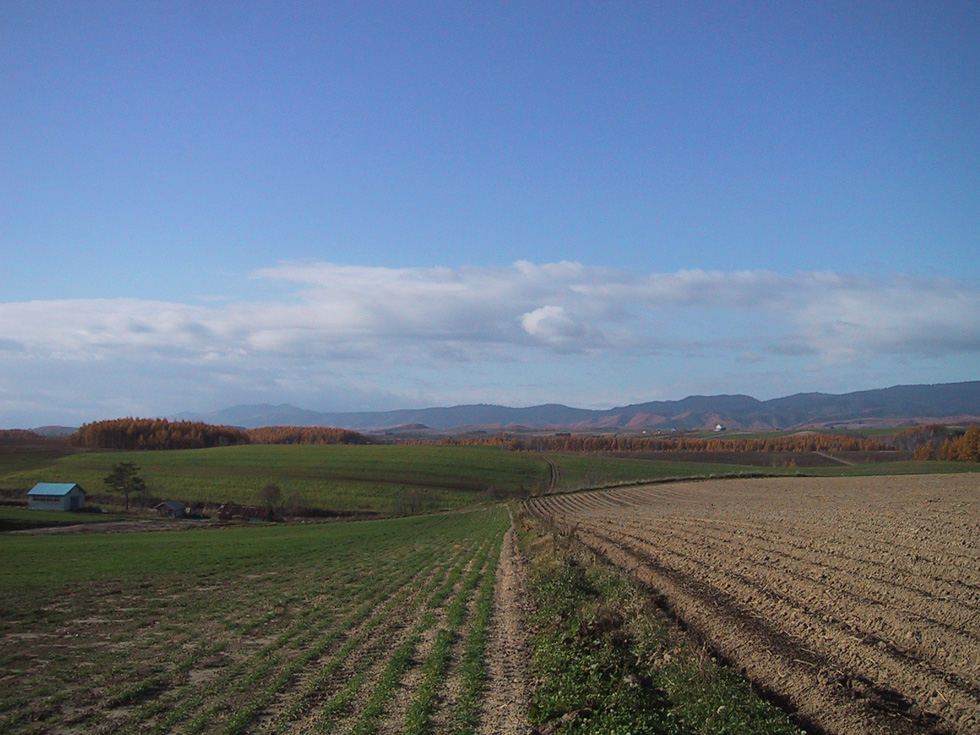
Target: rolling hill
{"points": [[906, 404]]}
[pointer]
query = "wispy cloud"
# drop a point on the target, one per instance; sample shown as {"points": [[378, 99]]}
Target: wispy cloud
{"points": [[331, 317]]}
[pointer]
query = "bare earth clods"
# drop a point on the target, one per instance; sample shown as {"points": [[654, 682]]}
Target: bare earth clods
{"points": [[856, 601]]}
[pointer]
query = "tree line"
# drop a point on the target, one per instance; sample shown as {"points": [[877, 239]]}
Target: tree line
{"points": [[305, 435], [137, 433], [20, 436], [151, 434], [932, 441], [963, 448], [803, 442], [936, 441]]}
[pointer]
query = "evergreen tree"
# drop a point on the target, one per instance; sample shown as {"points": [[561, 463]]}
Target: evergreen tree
{"points": [[125, 479]]}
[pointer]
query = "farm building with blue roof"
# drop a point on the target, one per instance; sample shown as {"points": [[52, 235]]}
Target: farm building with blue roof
{"points": [[56, 496]]}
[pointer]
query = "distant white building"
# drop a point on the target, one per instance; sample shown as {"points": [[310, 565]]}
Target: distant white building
{"points": [[56, 496], [719, 427]]}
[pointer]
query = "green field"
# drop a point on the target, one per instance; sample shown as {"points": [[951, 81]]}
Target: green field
{"points": [[355, 627], [342, 478], [392, 480], [279, 628], [15, 461]]}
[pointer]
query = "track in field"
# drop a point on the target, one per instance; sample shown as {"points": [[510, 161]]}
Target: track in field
{"points": [[854, 600]]}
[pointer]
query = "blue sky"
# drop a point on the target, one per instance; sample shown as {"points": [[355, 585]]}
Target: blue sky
{"points": [[379, 205]]}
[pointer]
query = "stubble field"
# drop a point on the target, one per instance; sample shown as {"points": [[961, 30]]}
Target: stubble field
{"points": [[855, 601]]}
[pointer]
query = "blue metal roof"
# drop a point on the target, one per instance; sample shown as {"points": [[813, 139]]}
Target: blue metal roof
{"points": [[53, 488]]}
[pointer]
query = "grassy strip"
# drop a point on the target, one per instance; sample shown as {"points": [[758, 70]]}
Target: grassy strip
{"points": [[589, 471], [607, 662]]}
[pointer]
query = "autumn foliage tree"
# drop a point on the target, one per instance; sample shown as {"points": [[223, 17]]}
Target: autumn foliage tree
{"points": [[305, 435], [19, 436], [923, 441], [965, 448], [802, 442], [137, 433]]}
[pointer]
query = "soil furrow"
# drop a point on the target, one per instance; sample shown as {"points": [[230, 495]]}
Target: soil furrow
{"points": [[852, 599]]}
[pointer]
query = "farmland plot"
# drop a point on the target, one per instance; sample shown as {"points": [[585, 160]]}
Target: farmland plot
{"points": [[854, 600], [340, 628]]}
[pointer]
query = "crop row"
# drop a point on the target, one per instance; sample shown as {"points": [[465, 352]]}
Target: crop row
{"points": [[324, 639]]}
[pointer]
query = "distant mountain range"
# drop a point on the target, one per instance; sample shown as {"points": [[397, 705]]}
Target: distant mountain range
{"points": [[950, 403]]}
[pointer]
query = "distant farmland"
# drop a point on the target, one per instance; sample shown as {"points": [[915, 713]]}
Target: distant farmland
{"points": [[410, 625], [342, 478], [395, 479]]}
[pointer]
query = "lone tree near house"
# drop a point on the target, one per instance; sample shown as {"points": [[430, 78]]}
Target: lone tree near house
{"points": [[125, 479]]}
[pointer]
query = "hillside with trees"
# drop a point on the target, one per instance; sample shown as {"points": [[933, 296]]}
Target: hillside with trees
{"points": [[137, 433], [305, 435], [154, 434]]}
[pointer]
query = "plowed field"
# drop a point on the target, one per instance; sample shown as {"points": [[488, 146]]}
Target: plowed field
{"points": [[855, 601]]}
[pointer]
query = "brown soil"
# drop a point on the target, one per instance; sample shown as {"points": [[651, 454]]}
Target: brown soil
{"points": [[855, 601], [106, 527], [505, 707]]}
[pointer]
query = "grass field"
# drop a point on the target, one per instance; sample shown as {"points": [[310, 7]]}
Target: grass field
{"points": [[321, 628], [343, 478], [379, 479], [14, 461]]}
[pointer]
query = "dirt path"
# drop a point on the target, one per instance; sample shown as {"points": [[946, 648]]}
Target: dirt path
{"points": [[108, 527], [505, 706], [836, 459], [555, 477]]}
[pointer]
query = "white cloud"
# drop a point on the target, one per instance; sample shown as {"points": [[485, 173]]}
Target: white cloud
{"points": [[552, 324], [342, 311], [409, 324]]}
